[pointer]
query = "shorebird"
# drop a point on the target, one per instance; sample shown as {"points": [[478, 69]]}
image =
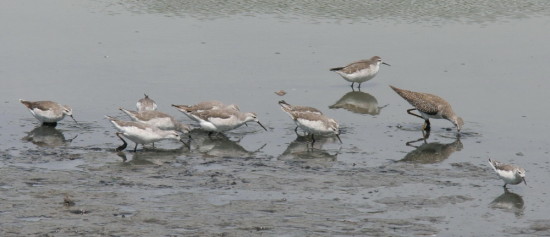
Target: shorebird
{"points": [[146, 104], [141, 133], [48, 112], [158, 119], [313, 123], [221, 120], [360, 71], [429, 106], [191, 110], [289, 109], [511, 174]]}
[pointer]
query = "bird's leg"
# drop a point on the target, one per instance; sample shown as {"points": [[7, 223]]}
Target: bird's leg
{"points": [[135, 148], [359, 87], [352, 85], [50, 124], [426, 125], [186, 144], [411, 113], [312, 140], [123, 146]]}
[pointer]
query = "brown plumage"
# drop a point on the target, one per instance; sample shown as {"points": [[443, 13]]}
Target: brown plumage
{"points": [[429, 106]]}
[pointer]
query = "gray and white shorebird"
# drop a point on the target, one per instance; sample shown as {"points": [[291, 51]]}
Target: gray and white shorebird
{"points": [[158, 119], [430, 106], [48, 112], [314, 123], [141, 133], [511, 174], [221, 120], [360, 71], [191, 110], [289, 109], [146, 104]]}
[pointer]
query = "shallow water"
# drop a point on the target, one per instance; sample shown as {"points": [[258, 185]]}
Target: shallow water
{"points": [[487, 59]]}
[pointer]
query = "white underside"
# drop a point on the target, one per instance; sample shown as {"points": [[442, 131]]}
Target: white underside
{"points": [[509, 177], [47, 116], [359, 76], [142, 136], [220, 125], [314, 127]]}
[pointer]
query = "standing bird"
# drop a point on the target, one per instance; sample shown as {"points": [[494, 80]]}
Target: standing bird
{"points": [[429, 106], [511, 174], [360, 71], [158, 119], [289, 109], [221, 120], [191, 110], [146, 104], [141, 133], [48, 112]]}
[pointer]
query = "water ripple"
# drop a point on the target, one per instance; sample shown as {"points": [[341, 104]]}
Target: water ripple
{"points": [[405, 11]]}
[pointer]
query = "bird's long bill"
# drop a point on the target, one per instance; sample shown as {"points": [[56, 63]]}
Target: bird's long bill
{"points": [[262, 125], [74, 119], [524, 180], [338, 136], [187, 144], [385, 63]]}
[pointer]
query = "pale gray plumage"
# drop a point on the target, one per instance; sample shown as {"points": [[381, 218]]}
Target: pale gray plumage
{"points": [[511, 174], [146, 104], [48, 112], [360, 71]]}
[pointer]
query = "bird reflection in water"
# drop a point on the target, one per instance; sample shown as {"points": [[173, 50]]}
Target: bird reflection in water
{"points": [[301, 151], [219, 146], [47, 136], [358, 102], [429, 153], [153, 156], [510, 202]]}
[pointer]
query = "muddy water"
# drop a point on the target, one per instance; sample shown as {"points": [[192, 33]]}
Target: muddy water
{"points": [[489, 60]]}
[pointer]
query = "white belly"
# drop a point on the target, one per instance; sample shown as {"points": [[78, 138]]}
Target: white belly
{"points": [[47, 116], [360, 76]]}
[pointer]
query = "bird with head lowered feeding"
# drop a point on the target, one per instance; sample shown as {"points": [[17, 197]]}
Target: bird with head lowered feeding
{"points": [[48, 112], [511, 174], [429, 106]]}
